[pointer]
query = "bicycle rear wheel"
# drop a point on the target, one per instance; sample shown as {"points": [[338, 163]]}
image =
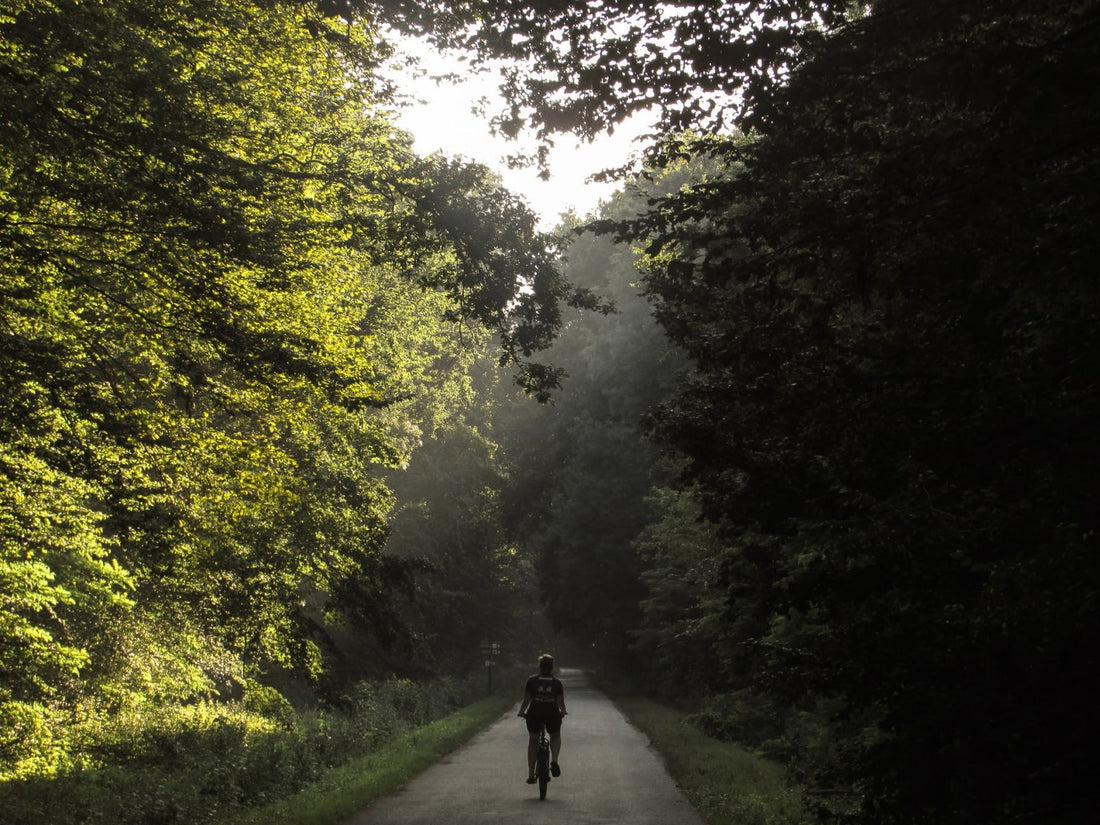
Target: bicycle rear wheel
{"points": [[542, 770]]}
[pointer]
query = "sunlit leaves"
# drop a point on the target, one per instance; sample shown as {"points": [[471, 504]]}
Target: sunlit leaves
{"points": [[229, 297], [56, 574]]}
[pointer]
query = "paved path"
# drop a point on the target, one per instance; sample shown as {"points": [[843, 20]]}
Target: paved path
{"points": [[609, 775]]}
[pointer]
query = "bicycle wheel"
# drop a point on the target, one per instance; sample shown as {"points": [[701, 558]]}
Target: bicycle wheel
{"points": [[542, 770]]}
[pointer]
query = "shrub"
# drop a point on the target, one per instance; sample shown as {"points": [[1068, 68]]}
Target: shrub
{"points": [[30, 743], [196, 763]]}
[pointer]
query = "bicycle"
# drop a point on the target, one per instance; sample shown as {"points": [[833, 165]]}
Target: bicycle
{"points": [[542, 760]]}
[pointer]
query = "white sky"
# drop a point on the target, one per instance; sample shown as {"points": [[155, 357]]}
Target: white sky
{"points": [[445, 122]]}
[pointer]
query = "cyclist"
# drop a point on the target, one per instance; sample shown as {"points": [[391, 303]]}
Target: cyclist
{"points": [[543, 703]]}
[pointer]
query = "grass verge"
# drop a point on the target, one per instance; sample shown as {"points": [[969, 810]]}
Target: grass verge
{"points": [[356, 784], [727, 784]]}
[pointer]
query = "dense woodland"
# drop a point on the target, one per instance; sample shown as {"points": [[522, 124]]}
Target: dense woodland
{"points": [[797, 433]]}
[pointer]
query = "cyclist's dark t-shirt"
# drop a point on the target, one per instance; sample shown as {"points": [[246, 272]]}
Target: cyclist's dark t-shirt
{"points": [[544, 691]]}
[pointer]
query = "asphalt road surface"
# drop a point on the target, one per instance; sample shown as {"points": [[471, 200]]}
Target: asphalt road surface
{"points": [[610, 774]]}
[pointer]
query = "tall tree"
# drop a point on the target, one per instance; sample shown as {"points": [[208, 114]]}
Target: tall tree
{"points": [[581, 67], [583, 467], [889, 299], [472, 582], [229, 294], [893, 324]]}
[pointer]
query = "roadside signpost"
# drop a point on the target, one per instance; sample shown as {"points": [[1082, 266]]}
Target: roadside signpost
{"points": [[489, 651]]}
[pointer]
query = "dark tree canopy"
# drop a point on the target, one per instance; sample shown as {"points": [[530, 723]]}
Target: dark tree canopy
{"points": [[892, 307], [583, 67], [887, 287]]}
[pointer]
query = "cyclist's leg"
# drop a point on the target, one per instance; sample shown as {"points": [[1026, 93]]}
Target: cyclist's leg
{"points": [[532, 752], [554, 729]]}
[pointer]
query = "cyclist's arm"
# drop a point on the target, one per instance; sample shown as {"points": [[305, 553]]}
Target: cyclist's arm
{"points": [[561, 704], [527, 699]]}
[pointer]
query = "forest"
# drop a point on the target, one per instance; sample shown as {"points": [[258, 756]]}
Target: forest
{"points": [[797, 432]]}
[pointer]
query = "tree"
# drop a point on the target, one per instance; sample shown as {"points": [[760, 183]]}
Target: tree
{"points": [[577, 497], [877, 301], [473, 582], [231, 298], [681, 625], [888, 299], [580, 67]]}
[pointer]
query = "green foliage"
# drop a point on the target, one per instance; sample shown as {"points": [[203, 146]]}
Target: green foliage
{"points": [[232, 299], [683, 610], [213, 760], [887, 301], [725, 783], [576, 498], [579, 67], [32, 739], [54, 562]]}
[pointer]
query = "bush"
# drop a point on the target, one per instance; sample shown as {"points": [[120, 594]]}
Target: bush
{"points": [[29, 740], [741, 717], [195, 764]]}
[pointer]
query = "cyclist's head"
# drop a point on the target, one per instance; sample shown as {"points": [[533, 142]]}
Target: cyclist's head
{"points": [[546, 663]]}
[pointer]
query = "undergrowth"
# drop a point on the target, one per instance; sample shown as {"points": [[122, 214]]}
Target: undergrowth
{"points": [[727, 784], [198, 763], [358, 783]]}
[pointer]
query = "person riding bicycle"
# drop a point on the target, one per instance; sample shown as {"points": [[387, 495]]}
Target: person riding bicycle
{"points": [[543, 703]]}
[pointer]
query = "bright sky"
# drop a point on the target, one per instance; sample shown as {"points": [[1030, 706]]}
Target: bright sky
{"points": [[445, 122]]}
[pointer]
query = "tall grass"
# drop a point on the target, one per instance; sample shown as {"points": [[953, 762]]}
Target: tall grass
{"points": [[203, 763], [352, 786], [727, 784]]}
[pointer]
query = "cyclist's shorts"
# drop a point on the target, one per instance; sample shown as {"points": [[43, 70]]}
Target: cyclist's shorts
{"points": [[552, 719]]}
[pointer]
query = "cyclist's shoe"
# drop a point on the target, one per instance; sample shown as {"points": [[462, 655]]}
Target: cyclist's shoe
{"points": [[531, 780], [554, 769]]}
